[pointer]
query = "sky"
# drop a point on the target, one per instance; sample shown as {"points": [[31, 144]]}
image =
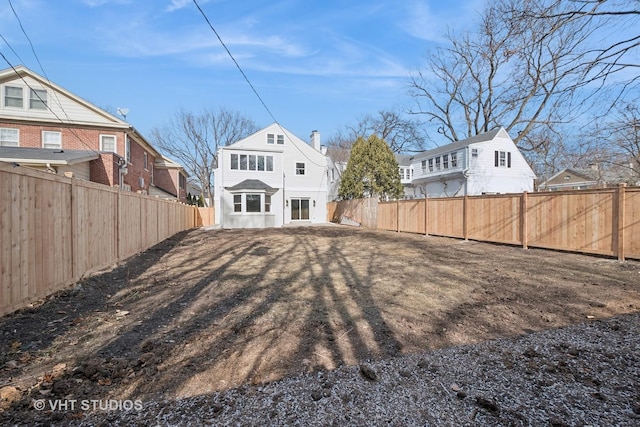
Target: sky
{"points": [[317, 65]]}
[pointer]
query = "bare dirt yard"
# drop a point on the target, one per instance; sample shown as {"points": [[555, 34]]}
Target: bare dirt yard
{"points": [[206, 311]]}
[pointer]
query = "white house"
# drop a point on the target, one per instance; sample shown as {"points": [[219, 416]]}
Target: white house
{"points": [[269, 179], [488, 163]]}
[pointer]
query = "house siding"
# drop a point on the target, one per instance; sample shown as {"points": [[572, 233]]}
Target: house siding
{"points": [[283, 179]]}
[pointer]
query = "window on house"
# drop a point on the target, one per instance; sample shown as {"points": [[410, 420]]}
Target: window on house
{"points": [[267, 203], [182, 181], [237, 202], [454, 160], [438, 163], [299, 168], [234, 161], [269, 163], [270, 138], [252, 162], [430, 165], [127, 149], [13, 96], [503, 159], [424, 166], [474, 152], [51, 139], [108, 143], [38, 99], [445, 161], [281, 139], [146, 161], [260, 163], [243, 162], [252, 203], [9, 137]]}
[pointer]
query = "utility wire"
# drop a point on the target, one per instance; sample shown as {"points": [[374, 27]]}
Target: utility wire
{"points": [[249, 82]]}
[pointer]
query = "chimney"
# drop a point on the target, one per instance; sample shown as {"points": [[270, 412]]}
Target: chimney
{"points": [[315, 139]]}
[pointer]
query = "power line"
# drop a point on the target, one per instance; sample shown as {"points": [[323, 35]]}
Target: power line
{"points": [[234, 60], [249, 82]]}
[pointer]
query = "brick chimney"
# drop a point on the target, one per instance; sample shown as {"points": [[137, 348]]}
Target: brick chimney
{"points": [[315, 139]]}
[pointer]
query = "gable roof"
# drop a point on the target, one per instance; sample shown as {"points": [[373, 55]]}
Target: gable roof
{"points": [[43, 156], [483, 137]]}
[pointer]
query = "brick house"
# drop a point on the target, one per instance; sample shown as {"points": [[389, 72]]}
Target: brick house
{"points": [[42, 119]]}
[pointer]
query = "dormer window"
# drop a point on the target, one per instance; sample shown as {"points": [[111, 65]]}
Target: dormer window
{"points": [[13, 96], [38, 99]]}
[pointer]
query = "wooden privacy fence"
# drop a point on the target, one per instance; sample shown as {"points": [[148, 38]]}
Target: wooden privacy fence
{"points": [[602, 221], [54, 230]]}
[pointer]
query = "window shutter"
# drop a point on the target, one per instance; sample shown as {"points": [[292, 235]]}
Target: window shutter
{"points": [[509, 159], [497, 158]]}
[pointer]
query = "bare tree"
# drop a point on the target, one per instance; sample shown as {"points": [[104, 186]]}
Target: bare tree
{"points": [[402, 134], [194, 139], [608, 61], [517, 74]]}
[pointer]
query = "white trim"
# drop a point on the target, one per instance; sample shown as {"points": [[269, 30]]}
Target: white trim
{"points": [[18, 134], [115, 142], [52, 132]]}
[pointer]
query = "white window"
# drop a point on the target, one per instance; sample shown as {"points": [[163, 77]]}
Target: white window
{"points": [[454, 160], [51, 139], [252, 203], [146, 161], [237, 202], [503, 159], [445, 161], [127, 149], [38, 99], [299, 168], [270, 138], [281, 139], [108, 143], [430, 165], [267, 203], [9, 137], [438, 163], [474, 152], [424, 166], [13, 96], [251, 162]]}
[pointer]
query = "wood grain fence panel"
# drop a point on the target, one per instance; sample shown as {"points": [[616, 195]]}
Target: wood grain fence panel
{"points": [[576, 221], [411, 216], [495, 218], [632, 223], [387, 216], [446, 217]]}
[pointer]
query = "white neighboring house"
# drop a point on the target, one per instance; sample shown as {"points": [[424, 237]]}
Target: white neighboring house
{"points": [[489, 163], [269, 179]]}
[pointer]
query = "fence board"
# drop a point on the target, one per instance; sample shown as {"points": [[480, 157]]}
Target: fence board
{"points": [[54, 229], [601, 221]]}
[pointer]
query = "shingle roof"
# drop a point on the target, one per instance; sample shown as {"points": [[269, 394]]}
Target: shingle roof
{"points": [[46, 155], [251, 184], [483, 137]]}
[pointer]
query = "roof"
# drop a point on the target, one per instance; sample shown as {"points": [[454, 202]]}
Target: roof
{"points": [[251, 184], [46, 155], [404, 160], [163, 162], [483, 137]]}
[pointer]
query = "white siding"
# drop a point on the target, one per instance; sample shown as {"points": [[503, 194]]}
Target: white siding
{"points": [[312, 185]]}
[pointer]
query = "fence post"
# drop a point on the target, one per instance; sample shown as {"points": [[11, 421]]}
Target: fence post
{"points": [[74, 230], [620, 220], [426, 215], [397, 215], [524, 225], [465, 212], [118, 225]]}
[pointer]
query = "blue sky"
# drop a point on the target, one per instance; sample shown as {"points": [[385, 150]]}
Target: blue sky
{"points": [[316, 64]]}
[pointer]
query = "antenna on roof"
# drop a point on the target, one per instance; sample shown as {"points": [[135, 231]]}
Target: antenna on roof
{"points": [[123, 112]]}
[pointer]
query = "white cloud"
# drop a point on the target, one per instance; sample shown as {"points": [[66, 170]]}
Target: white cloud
{"points": [[178, 4]]}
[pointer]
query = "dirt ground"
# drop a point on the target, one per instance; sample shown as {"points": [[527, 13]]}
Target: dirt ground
{"points": [[211, 310]]}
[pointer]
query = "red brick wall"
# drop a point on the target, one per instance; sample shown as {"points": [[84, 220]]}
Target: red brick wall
{"points": [[165, 180], [104, 170], [72, 138], [136, 169]]}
